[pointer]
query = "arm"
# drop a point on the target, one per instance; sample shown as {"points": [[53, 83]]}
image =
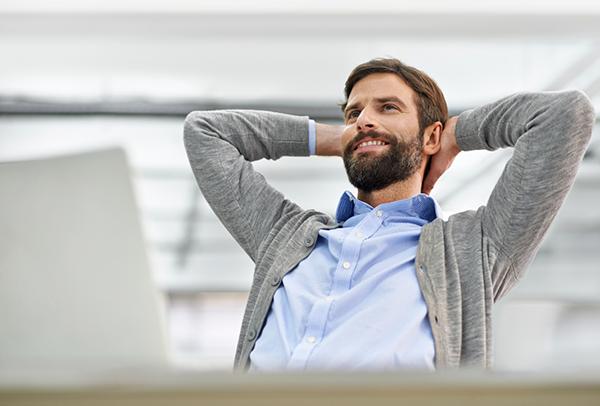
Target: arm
{"points": [[549, 132], [221, 145]]}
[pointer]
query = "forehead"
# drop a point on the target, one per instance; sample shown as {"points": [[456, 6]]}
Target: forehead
{"points": [[381, 85]]}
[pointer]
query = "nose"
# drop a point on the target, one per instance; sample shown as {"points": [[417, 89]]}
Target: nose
{"points": [[365, 121]]}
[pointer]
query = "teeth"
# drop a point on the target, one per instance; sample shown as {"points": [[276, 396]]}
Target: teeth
{"points": [[364, 144]]}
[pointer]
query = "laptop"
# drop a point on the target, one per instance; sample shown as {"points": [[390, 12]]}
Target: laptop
{"points": [[75, 283]]}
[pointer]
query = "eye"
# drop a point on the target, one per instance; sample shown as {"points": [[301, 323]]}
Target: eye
{"points": [[390, 107], [353, 114]]}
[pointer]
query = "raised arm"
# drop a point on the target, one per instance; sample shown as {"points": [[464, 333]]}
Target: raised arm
{"points": [[221, 145], [549, 132]]}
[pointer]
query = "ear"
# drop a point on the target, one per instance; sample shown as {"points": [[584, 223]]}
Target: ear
{"points": [[432, 137]]}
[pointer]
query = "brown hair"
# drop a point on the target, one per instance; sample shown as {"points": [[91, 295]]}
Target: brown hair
{"points": [[430, 101]]}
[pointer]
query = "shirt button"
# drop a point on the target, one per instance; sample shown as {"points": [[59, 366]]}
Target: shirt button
{"points": [[346, 265], [311, 339], [379, 213]]}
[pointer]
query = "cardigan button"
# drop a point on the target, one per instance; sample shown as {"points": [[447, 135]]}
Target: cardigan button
{"points": [[308, 241], [275, 280], [251, 334]]}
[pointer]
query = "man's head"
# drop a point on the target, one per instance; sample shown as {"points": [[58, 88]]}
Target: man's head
{"points": [[394, 115]]}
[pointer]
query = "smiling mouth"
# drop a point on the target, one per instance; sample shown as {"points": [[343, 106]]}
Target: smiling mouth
{"points": [[368, 145]]}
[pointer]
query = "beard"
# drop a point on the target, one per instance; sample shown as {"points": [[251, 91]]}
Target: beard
{"points": [[370, 171]]}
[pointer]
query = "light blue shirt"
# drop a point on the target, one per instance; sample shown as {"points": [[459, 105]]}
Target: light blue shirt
{"points": [[354, 302]]}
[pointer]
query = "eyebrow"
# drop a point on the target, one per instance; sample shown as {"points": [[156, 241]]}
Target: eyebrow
{"points": [[379, 100]]}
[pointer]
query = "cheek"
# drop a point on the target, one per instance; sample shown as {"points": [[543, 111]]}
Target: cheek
{"points": [[403, 129], [347, 135]]}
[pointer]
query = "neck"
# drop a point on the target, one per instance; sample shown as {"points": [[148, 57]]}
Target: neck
{"points": [[396, 191]]}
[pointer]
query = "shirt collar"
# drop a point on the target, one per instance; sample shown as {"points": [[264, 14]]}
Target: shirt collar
{"points": [[420, 205]]}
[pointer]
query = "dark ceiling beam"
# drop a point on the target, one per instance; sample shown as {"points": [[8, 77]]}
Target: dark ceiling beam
{"points": [[11, 106], [25, 107], [167, 109]]}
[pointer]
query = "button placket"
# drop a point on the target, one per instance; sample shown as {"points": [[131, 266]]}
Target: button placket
{"points": [[315, 329], [350, 252]]}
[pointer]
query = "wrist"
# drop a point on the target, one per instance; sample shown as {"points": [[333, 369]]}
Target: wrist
{"points": [[329, 140], [450, 127]]}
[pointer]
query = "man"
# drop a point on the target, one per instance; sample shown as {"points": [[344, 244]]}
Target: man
{"points": [[388, 283]]}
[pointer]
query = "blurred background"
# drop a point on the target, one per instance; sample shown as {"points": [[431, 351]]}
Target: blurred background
{"points": [[78, 76]]}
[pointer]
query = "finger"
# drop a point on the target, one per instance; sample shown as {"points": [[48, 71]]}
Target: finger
{"points": [[428, 187], [429, 183], [434, 174]]}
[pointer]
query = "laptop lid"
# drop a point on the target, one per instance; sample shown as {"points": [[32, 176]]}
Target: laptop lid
{"points": [[75, 284]]}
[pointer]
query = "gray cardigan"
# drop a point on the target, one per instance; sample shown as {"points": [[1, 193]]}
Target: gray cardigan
{"points": [[464, 264]]}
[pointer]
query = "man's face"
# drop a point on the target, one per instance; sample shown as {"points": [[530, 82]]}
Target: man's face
{"points": [[381, 142]]}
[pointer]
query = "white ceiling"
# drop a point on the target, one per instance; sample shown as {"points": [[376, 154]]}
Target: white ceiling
{"points": [[330, 6], [235, 54]]}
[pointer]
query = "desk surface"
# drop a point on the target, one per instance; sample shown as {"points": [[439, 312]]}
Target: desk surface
{"points": [[176, 387]]}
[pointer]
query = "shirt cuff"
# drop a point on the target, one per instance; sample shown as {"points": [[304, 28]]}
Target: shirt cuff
{"points": [[312, 137]]}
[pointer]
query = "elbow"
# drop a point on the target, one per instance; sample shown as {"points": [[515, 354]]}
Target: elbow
{"points": [[578, 110], [195, 128], [568, 116], [188, 129]]}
